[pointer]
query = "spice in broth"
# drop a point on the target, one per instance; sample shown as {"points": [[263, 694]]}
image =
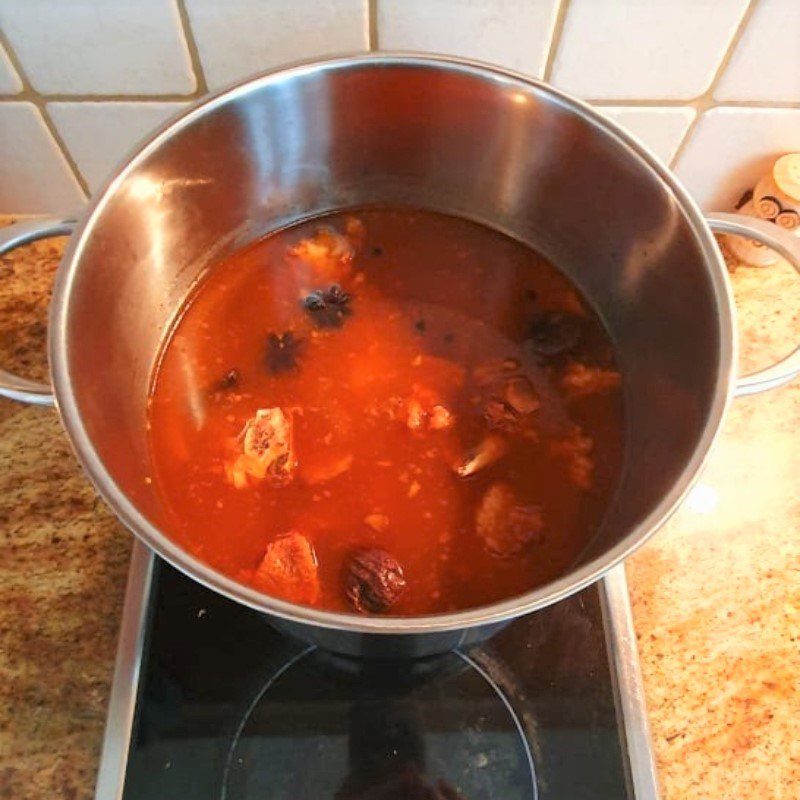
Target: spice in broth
{"points": [[387, 411]]}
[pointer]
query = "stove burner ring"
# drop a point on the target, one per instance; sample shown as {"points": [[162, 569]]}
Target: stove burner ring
{"points": [[314, 732], [250, 709]]}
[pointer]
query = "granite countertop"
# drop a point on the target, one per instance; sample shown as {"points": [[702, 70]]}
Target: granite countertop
{"points": [[716, 593], [63, 565]]}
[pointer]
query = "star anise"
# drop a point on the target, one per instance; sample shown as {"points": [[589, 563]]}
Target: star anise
{"points": [[282, 352], [553, 334], [328, 307], [228, 381]]}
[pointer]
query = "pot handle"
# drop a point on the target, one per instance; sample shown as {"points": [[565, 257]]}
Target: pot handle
{"points": [[786, 245], [11, 237]]}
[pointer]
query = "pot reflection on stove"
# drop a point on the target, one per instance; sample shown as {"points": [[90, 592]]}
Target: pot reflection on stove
{"points": [[325, 727], [387, 754]]}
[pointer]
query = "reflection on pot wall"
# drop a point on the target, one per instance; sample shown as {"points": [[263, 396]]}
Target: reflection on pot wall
{"points": [[80, 84]]}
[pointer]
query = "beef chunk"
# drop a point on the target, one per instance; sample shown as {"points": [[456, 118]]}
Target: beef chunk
{"points": [[580, 380], [501, 415], [511, 404], [421, 411], [324, 467], [505, 526], [520, 395], [575, 449], [327, 252], [289, 569]]}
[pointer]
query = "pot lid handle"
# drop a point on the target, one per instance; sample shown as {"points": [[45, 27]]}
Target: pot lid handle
{"points": [[787, 245], [15, 386]]}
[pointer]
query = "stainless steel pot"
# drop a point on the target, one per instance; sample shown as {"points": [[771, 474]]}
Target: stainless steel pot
{"points": [[438, 133]]}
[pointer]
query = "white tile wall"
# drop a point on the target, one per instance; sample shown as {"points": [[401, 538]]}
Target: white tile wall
{"points": [[513, 33], [99, 134], [626, 49], [732, 147], [103, 72], [34, 176], [99, 46], [766, 63], [9, 80], [661, 129], [239, 37]]}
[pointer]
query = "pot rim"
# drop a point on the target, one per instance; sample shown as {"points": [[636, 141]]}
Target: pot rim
{"points": [[536, 599]]}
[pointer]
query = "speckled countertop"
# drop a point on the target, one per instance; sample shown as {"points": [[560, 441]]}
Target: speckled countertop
{"points": [[716, 593]]}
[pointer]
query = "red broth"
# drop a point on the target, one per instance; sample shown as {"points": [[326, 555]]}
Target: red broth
{"points": [[387, 411]]}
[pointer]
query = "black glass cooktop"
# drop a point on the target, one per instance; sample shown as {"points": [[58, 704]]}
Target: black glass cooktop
{"points": [[227, 708]]}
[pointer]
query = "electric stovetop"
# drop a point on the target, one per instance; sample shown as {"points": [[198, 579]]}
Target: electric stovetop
{"points": [[209, 702]]}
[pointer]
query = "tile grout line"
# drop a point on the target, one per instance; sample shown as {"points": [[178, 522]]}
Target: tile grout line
{"points": [[100, 98], [600, 101], [687, 135], [706, 101], [555, 38], [606, 102], [201, 85], [642, 102], [372, 25], [700, 104], [637, 102], [33, 97], [728, 54], [62, 145]]}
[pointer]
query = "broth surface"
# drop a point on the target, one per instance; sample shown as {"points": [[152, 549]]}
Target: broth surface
{"points": [[441, 413]]}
